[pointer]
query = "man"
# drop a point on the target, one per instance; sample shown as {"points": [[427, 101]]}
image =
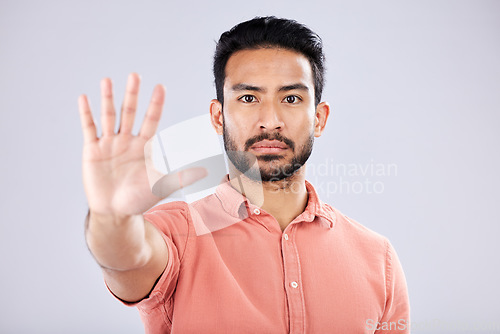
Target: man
{"points": [[284, 262]]}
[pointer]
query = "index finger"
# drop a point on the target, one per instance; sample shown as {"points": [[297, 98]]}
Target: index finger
{"points": [[153, 113]]}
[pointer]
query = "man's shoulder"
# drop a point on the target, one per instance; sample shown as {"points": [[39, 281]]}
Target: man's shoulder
{"points": [[355, 230], [167, 207], [184, 206], [197, 215]]}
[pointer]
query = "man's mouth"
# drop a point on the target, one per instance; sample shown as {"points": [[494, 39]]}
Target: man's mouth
{"points": [[269, 147]]}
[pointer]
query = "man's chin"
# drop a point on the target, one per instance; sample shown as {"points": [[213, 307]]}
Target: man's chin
{"points": [[276, 175], [269, 157]]}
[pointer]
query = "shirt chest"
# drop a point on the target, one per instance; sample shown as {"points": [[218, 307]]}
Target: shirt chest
{"points": [[299, 281]]}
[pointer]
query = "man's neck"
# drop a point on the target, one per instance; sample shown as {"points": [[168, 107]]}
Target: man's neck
{"points": [[284, 199]]}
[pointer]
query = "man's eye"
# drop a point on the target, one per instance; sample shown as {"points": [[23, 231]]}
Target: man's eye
{"points": [[292, 99], [248, 98]]}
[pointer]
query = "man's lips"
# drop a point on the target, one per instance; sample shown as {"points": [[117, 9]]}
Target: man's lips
{"points": [[269, 147]]}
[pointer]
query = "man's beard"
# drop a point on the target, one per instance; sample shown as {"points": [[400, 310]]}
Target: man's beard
{"points": [[244, 160]]}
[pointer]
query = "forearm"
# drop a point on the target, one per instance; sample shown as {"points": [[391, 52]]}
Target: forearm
{"points": [[118, 242]]}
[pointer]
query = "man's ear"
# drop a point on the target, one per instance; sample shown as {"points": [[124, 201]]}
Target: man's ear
{"points": [[216, 116], [320, 118]]}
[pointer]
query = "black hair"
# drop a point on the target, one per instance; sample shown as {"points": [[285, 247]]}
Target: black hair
{"points": [[269, 32]]}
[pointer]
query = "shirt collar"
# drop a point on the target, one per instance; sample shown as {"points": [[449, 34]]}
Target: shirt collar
{"points": [[231, 199], [233, 203]]}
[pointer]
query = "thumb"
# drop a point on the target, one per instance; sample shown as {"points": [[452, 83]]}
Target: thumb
{"points": [[170, 183]]}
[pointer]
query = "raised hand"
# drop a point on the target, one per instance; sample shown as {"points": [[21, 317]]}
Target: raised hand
{"points": [[114, 170]]}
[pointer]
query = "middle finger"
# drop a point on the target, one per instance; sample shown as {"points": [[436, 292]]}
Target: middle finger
{"points": [[130, 103]]}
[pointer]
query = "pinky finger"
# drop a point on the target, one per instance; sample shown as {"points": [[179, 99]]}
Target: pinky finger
{"points": [[86, 119]]}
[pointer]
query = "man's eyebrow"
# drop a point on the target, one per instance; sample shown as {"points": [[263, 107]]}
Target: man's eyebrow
{"points": [[243, 86], [298, 86]]}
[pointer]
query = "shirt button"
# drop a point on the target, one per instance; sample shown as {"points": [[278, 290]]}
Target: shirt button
{"points": [[256, 211], [285, 236], [294, 285]]}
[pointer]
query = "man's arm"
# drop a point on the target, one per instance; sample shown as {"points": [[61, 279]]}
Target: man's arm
{"points": [[131, 253], [130, 250], [396, 317]]}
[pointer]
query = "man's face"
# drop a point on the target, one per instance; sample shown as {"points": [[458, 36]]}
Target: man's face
{"points": [[268, 112]]}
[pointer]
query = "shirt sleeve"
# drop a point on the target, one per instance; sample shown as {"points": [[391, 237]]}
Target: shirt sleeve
{"points": [[396, 316]]}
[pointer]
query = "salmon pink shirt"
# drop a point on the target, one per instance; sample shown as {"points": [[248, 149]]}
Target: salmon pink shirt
{"points": [[231, 269]]}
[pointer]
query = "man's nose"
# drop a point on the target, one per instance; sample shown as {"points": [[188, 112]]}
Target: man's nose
{"points": [[270, 117]]}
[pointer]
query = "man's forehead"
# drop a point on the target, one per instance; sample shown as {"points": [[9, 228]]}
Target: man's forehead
{"points": [[273, 68]]}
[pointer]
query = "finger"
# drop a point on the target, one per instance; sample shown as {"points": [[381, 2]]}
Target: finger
{"points": [[108, 114], [191, 175], [86, 120], [170, 183], [153, 113], [129, 103]]}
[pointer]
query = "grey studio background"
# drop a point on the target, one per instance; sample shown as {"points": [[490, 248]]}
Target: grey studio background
{"points": [[414, 87]]}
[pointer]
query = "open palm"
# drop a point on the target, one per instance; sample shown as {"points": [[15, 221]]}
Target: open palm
{"points": [[114, 169]]}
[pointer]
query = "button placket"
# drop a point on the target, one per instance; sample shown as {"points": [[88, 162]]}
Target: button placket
{"points": [[291, 280]]}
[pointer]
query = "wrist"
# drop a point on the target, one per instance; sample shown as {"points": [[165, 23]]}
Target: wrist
{"points": [[108, 218]]}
